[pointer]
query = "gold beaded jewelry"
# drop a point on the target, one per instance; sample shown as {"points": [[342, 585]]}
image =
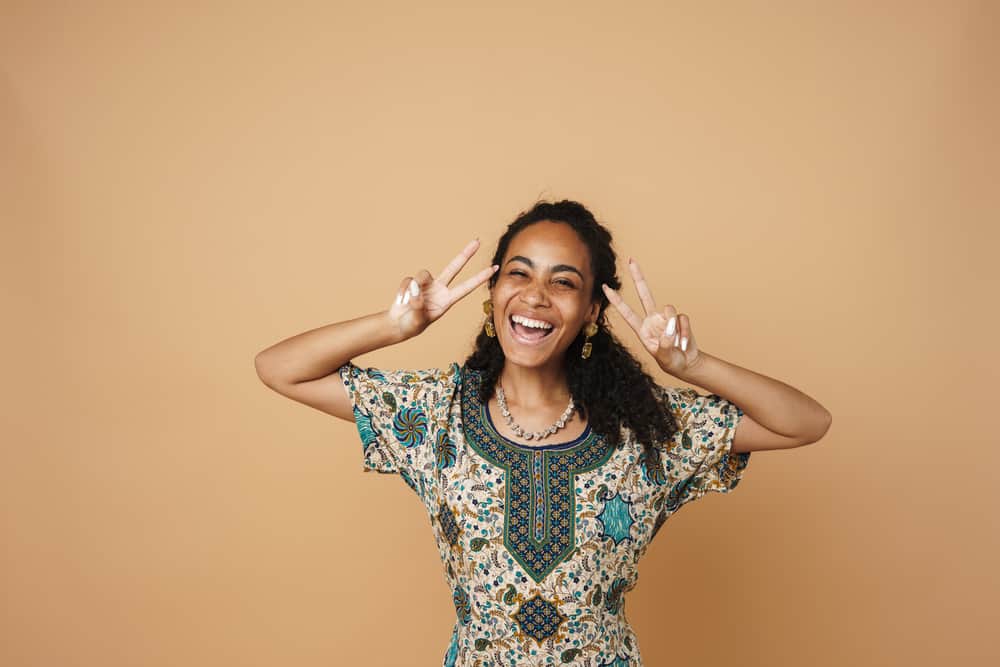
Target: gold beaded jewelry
{"points": [[588, 331], [488, 309]]}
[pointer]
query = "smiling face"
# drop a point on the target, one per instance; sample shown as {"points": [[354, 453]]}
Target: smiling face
{"points": [[542, 295]]}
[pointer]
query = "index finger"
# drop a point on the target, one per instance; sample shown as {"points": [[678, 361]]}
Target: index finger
{"points": [[472, 283], [449, 272], [623, 308], [645, 296]]}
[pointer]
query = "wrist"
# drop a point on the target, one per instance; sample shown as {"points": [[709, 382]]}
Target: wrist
{"points": [[393, 333], [696, 371]]}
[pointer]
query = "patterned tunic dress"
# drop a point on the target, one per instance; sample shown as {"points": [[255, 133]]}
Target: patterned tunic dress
{"points": [[539, 543]]}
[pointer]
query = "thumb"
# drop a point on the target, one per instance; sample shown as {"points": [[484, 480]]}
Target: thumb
{"points": [[423, 279], [418, 288], [402, 295]]}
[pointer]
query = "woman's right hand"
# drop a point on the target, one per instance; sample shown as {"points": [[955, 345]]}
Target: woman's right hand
{"points": [[413, 312]]}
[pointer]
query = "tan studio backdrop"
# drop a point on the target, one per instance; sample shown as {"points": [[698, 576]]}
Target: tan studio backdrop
{"points": [[184, 184]]}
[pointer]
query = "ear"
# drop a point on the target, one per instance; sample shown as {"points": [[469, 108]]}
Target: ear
{"points": [[595, 308]]}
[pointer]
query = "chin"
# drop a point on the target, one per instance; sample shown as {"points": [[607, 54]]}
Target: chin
{"points": [[527, 361], [526, 357], [528, 354]]}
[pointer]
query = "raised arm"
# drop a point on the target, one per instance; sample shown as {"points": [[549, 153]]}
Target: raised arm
{"points": [[304, 367]]}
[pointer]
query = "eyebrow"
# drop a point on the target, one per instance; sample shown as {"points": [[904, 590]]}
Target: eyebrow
{"points": [[555, 269]]}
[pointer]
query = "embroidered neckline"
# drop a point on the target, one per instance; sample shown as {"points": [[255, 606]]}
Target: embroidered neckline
{"points": [[540, 482], [472, 390]]}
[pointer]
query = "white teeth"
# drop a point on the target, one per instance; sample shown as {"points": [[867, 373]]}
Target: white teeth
{"points": [[524, 321]]}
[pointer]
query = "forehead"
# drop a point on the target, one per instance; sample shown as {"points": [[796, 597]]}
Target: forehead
{"points": [[546, 243]]}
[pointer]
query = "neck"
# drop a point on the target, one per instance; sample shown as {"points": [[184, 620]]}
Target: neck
{"points": [[533, 387]]}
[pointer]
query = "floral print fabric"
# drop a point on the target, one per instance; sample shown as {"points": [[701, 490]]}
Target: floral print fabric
{"points": [[539, 543]]}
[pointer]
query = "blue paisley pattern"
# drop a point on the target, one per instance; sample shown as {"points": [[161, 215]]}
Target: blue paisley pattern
{"points": [[540, 544], [410, 426]]}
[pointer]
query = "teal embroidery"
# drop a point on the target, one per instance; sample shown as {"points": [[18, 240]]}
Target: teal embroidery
{"points": [[540, 503], [616, 518]]}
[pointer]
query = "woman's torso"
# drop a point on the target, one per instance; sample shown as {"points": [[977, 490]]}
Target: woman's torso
{"points": [[540, 541]]}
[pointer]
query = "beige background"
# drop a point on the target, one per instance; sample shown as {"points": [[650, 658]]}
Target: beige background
{"points": [[182, 187]]}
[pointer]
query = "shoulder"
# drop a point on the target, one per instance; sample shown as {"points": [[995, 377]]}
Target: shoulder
{"points": [[403, 385], [402, 377], [700, 417], [677, 399]]}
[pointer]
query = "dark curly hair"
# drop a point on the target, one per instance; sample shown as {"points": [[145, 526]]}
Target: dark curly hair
{"points": [[610, 388]]}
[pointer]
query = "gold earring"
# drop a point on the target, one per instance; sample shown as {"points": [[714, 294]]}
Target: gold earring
{"points": [[488, 309], [588, 331]]}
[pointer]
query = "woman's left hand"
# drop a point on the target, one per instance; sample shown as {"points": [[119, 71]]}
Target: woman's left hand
{"points": [[675, 351]]}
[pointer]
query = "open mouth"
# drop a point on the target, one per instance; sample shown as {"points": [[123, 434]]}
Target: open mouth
{"points": [[529, 335]]}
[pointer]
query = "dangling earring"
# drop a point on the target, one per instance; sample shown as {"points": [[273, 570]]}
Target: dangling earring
{"points": [[488, 309], [588, 331]]}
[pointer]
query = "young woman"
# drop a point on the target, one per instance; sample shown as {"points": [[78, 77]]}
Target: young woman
{"points": [[548, 460]]}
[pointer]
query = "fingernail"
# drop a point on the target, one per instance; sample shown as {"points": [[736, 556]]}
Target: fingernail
{"points": [[406, 297], [671, 323], [675, 339], [414, 290], [684, 343], [399, 299]]}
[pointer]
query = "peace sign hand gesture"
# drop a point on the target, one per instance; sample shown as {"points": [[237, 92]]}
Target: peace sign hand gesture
{"points": [[666, 335], [423, 299]]}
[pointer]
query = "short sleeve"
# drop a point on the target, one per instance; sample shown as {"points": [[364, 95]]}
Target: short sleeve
{"points": [[703, 445], [398, 414]]}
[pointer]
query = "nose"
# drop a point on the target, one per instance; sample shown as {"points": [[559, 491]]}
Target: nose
{"points": [[534, 295]]}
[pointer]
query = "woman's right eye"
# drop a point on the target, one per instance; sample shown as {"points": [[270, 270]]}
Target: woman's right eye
{"points": [[515, 272]]}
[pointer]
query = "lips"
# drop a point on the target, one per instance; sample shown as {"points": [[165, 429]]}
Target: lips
{"points": [[523, 339]]}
